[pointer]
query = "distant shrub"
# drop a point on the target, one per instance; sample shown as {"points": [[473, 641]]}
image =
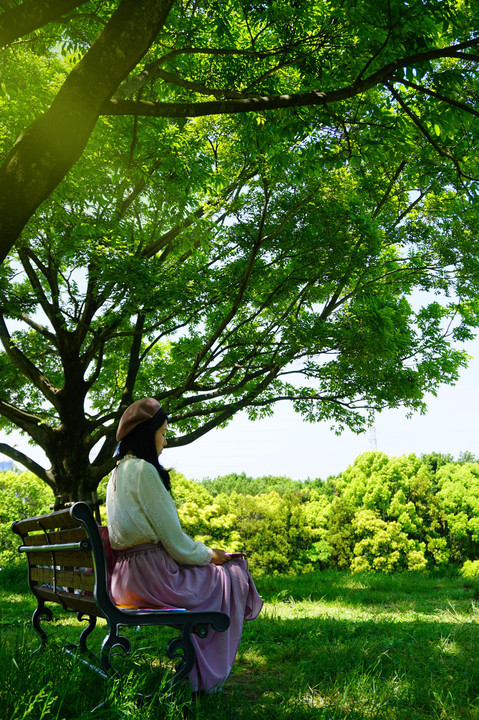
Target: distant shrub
{"points": [[23, 495], [458, 498], [470, 569], [245, 485], [382, 513]]}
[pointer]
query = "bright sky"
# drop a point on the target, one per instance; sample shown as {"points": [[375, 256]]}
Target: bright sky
{"points": [[284, 445]]}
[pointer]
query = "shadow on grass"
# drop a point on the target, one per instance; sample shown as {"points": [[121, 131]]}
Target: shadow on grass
{"points": [[321, 668], [294, 668]]}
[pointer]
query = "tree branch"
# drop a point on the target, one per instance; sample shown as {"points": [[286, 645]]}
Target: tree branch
{"points": [[40, 329], [440, 151], [257, 103], [48, 148], [134, 361], [227, 413], [394, 179], [26, 366], [235, 305], [20, 457], [167, 238], [32, 15], [438, 96], [51, 310], [196, 87], [153, 70]]}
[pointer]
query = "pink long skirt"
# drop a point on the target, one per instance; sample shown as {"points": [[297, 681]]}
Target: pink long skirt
{"points": [[146, 576]]}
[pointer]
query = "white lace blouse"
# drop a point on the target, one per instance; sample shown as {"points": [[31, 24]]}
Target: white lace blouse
{"points": [[140, 510]]}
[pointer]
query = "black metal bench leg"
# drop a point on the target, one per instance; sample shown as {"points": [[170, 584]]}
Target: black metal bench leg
{"points": [[39, 612], [183, 649], [112, 640], [82, 646]]}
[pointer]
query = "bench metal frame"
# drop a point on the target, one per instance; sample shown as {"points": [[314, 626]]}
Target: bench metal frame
{"points": [[67, 566]]}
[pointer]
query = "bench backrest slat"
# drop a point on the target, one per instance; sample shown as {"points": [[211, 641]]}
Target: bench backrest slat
{"points": [[55, 537], [52, 521], [79, 603], [68, 558], [51, 570], [74, 579]]}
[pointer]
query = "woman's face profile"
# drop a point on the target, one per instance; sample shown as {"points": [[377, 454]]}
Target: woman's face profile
{"points": [[160, 438]]}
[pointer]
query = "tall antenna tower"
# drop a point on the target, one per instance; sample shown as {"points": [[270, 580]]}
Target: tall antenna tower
{"points": [[373, 444]]}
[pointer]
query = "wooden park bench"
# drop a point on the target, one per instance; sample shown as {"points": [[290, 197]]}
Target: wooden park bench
{"points": [[67, 556]]}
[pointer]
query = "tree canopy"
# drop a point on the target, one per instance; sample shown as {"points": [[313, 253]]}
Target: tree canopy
{"points": [[226, 205]]}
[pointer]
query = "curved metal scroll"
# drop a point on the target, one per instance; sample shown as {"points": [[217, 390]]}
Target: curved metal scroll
{"points": [[181, 648], [82, 640], [41, 610], [112, 641]]}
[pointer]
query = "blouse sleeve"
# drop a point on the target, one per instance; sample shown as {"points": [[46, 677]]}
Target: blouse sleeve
{"points": [[160, 511]]}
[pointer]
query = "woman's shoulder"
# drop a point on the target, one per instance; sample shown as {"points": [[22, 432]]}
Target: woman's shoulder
{"points": [[129, 458], [142, 475], [132, 464]]}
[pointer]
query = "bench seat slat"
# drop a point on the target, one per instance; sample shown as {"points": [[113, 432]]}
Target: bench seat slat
{"points": [[78, 603]]}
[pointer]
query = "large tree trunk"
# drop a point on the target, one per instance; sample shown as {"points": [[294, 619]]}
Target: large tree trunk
{"points": [[71, 476]]}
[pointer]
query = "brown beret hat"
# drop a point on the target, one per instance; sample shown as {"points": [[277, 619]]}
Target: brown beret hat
{"points": [[140, 411]]}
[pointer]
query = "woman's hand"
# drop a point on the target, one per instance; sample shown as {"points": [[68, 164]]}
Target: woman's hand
{"points": [[220, 557]]}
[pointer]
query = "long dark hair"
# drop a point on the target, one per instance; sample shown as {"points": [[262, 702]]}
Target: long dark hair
{"points": [[141, 442]]}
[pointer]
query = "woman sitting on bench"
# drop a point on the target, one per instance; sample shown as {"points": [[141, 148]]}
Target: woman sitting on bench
{"points": [[158, 564]]}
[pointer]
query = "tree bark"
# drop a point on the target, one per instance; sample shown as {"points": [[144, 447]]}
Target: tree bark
{"points": [[31, 15]]}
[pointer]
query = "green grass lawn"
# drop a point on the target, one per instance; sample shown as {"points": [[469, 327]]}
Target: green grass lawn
{"points": [[327, 645]]}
